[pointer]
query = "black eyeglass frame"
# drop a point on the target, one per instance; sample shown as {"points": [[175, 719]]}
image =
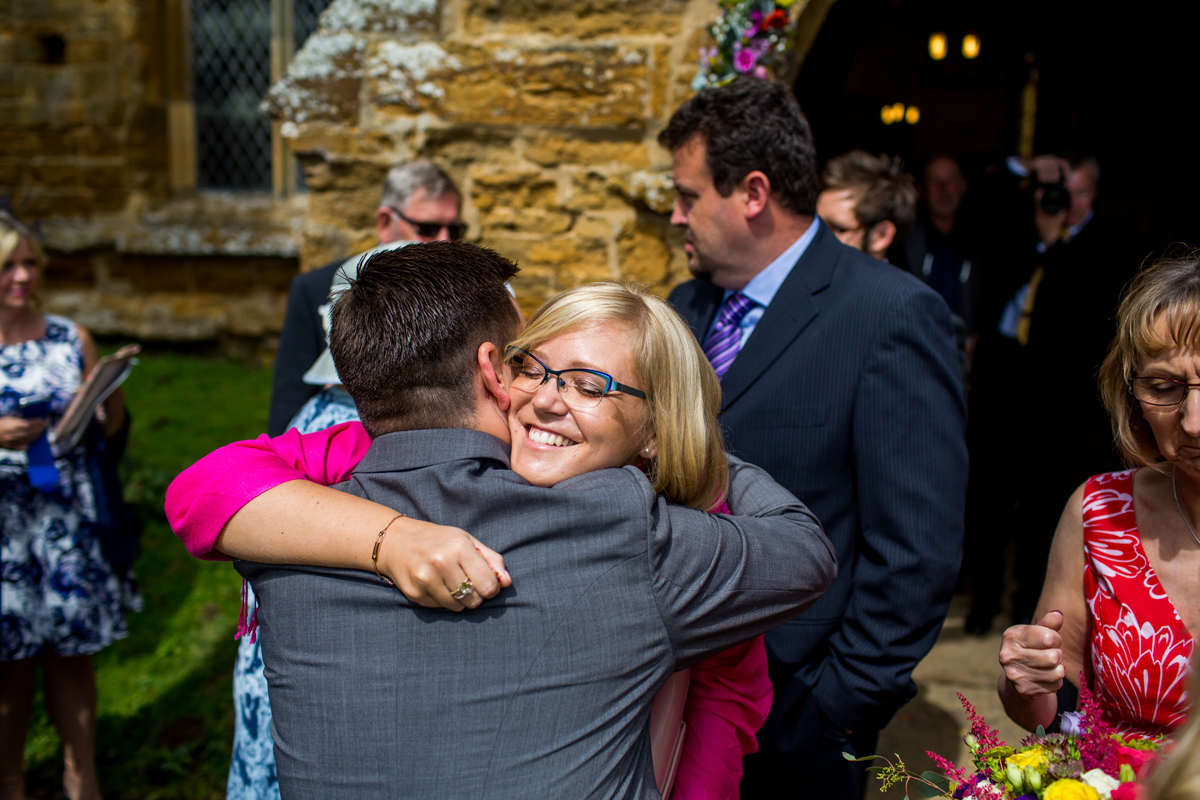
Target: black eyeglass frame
{"points": [[1185, 386], [610, 385], [455, 230]]}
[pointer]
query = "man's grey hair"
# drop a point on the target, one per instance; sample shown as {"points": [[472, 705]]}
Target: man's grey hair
{"points": [[405, 180]]}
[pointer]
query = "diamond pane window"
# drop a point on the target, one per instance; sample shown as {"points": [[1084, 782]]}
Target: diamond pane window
{"points": [[231, 59]]}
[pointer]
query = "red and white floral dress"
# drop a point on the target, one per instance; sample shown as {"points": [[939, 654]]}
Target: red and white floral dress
{"points": [[1141, 650]]}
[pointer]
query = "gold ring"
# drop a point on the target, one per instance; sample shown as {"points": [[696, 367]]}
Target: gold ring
{"points": [[464, 590]]}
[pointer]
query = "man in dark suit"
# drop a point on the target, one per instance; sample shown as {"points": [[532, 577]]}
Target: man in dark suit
{"points": [[545, 690], [840, 378], [420, 203]]}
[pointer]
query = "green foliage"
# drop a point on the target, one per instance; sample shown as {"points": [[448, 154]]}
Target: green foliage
{"points": [[165, 714]]}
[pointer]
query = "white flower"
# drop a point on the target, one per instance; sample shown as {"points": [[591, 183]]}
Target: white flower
{"points": [[1101, 781]]}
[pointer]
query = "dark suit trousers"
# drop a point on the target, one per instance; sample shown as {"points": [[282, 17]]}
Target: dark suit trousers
{"points": [[800, 751]]}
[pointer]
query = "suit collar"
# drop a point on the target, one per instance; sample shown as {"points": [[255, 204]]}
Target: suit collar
{"points": [[790, 312], [405, 450]]}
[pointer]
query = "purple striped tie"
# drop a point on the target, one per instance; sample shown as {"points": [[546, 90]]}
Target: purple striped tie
{"points": [[726, 337]]}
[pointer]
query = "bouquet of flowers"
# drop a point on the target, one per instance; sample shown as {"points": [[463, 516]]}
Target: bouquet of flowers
{"points": [[1088, 760], [752, 38]]}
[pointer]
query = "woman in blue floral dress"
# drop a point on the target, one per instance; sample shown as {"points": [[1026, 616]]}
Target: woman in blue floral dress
{"points": [[60, 601]]}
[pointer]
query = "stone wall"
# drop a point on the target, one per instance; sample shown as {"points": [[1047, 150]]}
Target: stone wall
{"points": [[544, 111], [83, 129]]}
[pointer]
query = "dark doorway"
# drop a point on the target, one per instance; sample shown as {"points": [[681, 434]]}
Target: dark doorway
{"points": [[1116, 85]]}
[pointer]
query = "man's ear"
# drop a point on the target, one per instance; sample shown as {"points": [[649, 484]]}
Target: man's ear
{"points": [[757, 187], [488, 361], [880, 238], [383, 225]]}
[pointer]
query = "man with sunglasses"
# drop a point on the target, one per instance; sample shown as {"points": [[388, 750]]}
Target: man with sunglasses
{"points": [[420, 203]]}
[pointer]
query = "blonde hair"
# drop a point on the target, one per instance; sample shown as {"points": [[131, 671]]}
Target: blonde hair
{"points": [[12, 231], [683, 393], [1167, 289]]}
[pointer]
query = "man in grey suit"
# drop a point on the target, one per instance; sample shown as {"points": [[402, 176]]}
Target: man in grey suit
{"points": [[545, 690]]}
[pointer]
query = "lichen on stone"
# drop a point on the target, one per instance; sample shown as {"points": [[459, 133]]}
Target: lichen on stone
{"points": [[375, 15], [654, 189], [309, 90], [403, 71]]}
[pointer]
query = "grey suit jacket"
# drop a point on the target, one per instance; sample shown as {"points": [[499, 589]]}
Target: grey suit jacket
{"points": [[544, 691]]}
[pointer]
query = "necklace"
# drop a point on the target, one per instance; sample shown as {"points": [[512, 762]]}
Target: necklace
{"points": [[1175, 489]]}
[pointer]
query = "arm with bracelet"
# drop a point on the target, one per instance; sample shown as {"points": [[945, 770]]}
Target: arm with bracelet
{"points": [[254, 500]]}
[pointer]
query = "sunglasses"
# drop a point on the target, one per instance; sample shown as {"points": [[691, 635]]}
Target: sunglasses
{"points": [[430, 230]]}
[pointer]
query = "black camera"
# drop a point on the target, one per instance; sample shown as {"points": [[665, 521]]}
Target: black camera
{"points": [[1055, 196]]}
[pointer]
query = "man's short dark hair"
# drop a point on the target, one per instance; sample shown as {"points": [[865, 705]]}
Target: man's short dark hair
{"points": [[404, 335], [751, 124], [881, 188]]}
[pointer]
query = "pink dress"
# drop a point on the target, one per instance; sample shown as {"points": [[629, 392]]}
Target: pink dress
{"points": [[729, 695], [1140, 648]]}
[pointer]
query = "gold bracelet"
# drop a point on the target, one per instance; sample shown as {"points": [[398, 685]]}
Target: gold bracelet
{"points": [[375, 550]]}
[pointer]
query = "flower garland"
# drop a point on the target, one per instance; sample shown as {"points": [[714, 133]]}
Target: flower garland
{"points": [[1086, 761], [752, 37]]}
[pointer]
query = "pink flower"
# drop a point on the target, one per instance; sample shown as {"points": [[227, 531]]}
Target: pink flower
{"points": [[761, 72], [1140, 760], [744, 60], [1129, 791], [750, 32]]}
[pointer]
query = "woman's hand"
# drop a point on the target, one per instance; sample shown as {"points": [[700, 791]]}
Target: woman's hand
{"points": [[17, 433], [429, 562], [1032, 656]]}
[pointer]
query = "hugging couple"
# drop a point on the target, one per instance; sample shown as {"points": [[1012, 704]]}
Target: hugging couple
{"points": [[579, 570]]}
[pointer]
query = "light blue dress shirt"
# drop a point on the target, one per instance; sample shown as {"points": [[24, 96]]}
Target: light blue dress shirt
{"points": [[765, 284]]}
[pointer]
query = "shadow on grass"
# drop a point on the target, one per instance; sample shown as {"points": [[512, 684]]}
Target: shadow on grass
{"points": [[172, 748]]}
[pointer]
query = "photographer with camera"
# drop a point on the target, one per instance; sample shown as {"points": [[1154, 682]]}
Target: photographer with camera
{"points": [[1033, 387]]}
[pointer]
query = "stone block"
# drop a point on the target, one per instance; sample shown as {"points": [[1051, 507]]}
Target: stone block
{"points": [[643, 252], [553, 149], [578, 86], [168, 316], [345, 208], [594, 191], [463, 146], [20, 142], [153, 273], [105, 177], [96, 142], [322, 81], [56, 174], [417, 18], [11, 170], [651, 189], [87, 51], [578, 20], [65, 271]]}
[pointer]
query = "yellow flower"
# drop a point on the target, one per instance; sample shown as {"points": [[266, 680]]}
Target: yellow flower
{"points": [[784, 3], [1067, 789], [1035, 757]]}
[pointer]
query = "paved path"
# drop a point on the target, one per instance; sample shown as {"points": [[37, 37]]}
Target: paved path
{"points": [[934, 719]]}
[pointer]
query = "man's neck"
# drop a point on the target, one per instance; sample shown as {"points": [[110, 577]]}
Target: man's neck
{"points": [[776, 236]]}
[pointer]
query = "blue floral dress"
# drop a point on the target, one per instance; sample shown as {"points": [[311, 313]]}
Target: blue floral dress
{"points": [[252, 773], [56, 589]]}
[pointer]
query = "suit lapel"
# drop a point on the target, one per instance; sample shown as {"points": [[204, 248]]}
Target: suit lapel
{"points": [[791, 311]]}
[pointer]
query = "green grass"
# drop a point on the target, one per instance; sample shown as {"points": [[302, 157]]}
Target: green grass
{"points": [[165, 714]]}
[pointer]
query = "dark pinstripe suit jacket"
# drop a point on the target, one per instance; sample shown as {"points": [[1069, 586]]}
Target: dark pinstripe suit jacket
{"points": [[848, 394]]}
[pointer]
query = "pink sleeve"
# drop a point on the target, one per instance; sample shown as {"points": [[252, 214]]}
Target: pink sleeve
{"points": [[728, 701], [207, 494]]}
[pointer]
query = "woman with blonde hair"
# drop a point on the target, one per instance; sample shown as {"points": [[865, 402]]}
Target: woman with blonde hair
{"points": [[61, 600], [1121, 604], [605, 375]]}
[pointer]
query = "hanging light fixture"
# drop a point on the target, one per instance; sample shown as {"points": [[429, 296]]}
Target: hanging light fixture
{"points": [[937, 46], [970, 46]]}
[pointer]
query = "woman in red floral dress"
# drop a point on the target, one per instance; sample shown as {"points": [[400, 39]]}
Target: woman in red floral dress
{"points": [[1121, 603]]}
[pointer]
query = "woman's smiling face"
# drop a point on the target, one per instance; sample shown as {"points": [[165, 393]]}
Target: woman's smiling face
{"points": [[552, 441]]}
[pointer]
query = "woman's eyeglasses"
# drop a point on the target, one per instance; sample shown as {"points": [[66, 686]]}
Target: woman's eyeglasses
{"points": [[1160, 391], [580, 388], [431, 230]]}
